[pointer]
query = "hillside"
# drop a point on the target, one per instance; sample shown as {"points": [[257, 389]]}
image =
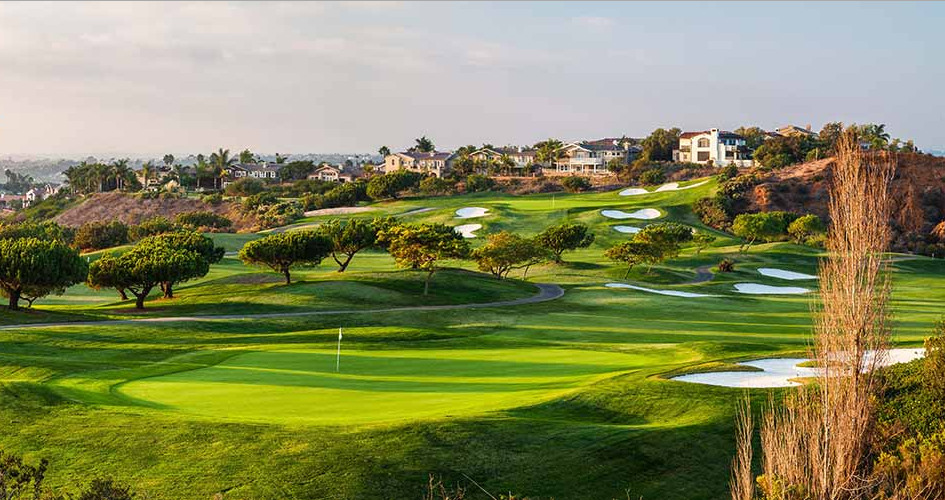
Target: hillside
{"points": [[918, 188], [133, 210]]}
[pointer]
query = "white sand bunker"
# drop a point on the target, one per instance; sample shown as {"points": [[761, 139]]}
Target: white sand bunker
{"points": [[471, 212], [674, 186], [643, 213], [759, 289], [779, 372], [671, 186], [468, 230], [785, 275], [673, 293], [627, 229], [337, 211]]}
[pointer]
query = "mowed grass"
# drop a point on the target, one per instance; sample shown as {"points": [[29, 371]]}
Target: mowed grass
{"points": [[568, 398]]}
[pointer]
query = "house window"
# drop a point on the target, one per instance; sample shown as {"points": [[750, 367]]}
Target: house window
{"points": [[703, 155], [703, 143]]}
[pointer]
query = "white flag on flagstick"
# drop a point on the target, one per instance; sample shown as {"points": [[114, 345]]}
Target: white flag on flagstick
{"points": [[338, 358]]}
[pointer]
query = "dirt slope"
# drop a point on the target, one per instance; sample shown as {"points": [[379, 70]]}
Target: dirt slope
{"points": [[132, 210]]}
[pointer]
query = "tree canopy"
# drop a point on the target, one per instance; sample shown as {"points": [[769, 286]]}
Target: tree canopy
{"points": [[283, 251], [632, 253], [422, 246], [763, 226], [31, 268], [507, 251], [563, 237], [349, 238]]}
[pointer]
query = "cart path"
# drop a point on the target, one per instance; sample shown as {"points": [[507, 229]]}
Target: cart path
{"points": [[546, 292]]}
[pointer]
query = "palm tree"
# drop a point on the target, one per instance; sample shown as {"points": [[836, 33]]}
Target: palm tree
{"points": [[548, 152], [147, 171], [220, 161], [168, 159], [121, 171], [423, 145], [247, 156], [280, 159], [384, 151]]}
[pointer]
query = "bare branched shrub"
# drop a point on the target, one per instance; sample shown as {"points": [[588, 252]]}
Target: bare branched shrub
{"points": [[815, 444], [742, 485], [436, 490]]}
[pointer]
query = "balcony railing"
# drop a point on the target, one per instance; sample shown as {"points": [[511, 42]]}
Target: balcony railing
{"points": [[582, 161]]}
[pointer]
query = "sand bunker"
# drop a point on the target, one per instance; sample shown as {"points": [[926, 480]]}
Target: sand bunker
{"points": [[785, 275], [671, 186], [468, 230], [471, 212], [627, 229], [643, 214], [673, 293], [759, 289], [779, 372]]}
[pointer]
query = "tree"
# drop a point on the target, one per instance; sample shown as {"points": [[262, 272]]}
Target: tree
{"points": [[830, 134], [348, 238], [151, 227], [764, 226], [296, 170], [191, 242], [702, 241], [652, 176], [168, 159], [754, 136], [219, 163], [383, 151], [632, 253], [666, 238], [507, 251], [476, 183], [149, 264], [283, 251], [200, 219], [558, 239], [422, 246], [247, 156], [98, 235], [804, 227], [246, 186], [423, 145], [659, 145], [436, 186], [31, 268], [548, 151], [576, 183]]}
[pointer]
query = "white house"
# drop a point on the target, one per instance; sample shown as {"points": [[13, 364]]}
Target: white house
{"points": [[592, 157], [715, 147]]}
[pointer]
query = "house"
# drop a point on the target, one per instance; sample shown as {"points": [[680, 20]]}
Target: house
{"points": [[336, 173], [13, 201], [434, 162], [32, 196], [713, 147], [523, 159], [592, 157], [795, 131], [264, 171]]}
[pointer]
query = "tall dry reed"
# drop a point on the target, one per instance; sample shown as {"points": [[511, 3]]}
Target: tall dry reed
{"points": [[815, 443]]}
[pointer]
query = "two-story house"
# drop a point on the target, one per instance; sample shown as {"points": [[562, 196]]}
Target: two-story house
{"points": [[522, 159], [713, 147], [592, 157], [434, 162], [337, 173]]}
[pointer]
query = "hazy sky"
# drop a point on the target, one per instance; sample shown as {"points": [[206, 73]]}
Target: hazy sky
{"points": [[140, 78]]}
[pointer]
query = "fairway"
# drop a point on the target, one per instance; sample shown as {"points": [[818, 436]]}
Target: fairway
{"points": [[301, 386]]}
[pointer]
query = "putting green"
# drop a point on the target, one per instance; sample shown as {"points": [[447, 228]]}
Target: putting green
{"points": [[301, 386]]}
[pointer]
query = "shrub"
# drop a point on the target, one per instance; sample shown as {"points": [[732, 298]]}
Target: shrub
{"points": [[247, 186], [652, 176], [203, 219], [258, 200], [713, 212], [477, 183], [727, 172], [151, 227], [726, 266], [576, 183], [935, 362], [99, 235], [344, 195], [212, 198], [436, 186], [805, 227]]}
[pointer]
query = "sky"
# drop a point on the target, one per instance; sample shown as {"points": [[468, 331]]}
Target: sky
{"points": [[142, 79]]}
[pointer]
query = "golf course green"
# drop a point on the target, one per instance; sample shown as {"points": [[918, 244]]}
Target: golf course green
{"points": [[567, 398]]}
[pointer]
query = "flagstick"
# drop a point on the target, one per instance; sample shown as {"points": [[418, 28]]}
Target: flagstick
{"points": [[338, 359]]}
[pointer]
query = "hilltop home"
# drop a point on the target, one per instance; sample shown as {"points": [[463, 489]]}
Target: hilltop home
{"points": [[434, 162], [715, 147], [265, 171], [336, 173], [523, 159], [592, 157]]}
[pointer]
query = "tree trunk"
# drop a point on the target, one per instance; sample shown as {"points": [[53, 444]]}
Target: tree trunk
{"points": [[625, 276], [14, 299], [426, 284], [526, 271], [285, 272], [139, 301], [342, 265], [121, 292], [168, 289]]}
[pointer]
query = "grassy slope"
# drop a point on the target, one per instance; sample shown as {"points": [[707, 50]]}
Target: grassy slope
{"points": [[563, 398]]}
